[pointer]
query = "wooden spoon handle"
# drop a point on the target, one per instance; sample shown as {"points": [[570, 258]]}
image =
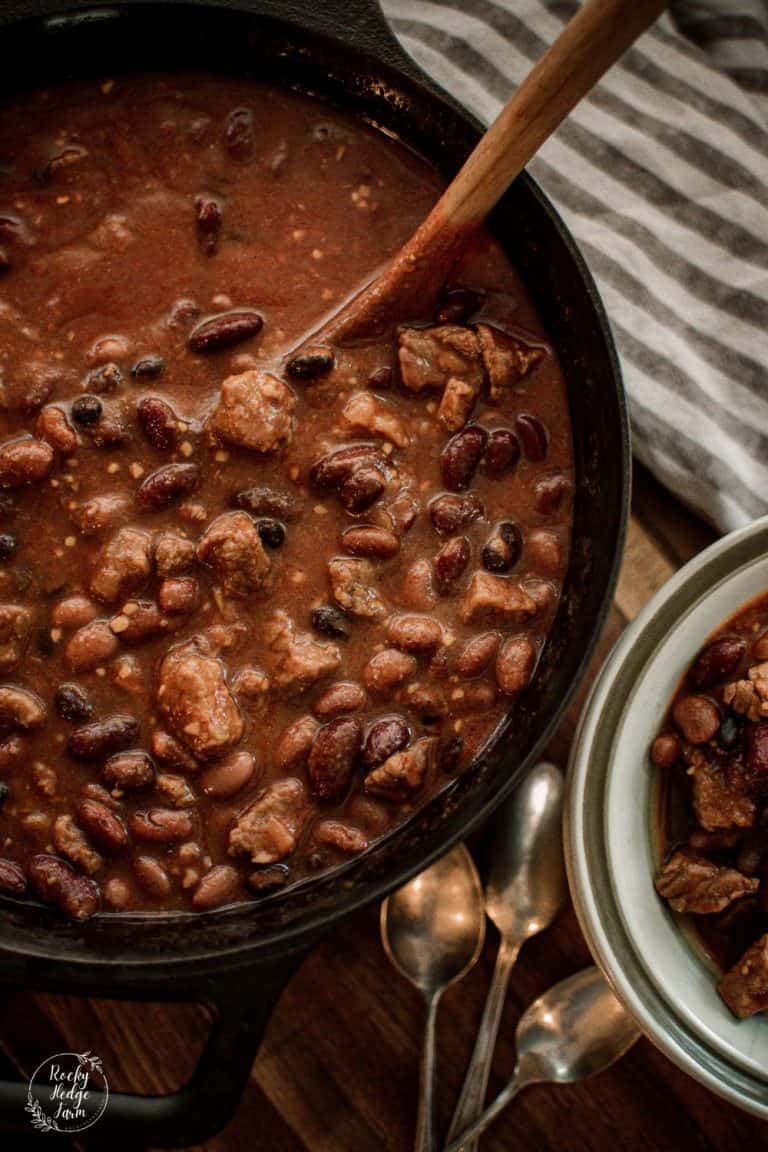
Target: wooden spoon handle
{"points": [[599, 33]]}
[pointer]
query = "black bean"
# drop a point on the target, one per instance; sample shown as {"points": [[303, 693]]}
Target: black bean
{"points": [[44, 642], [729, 733], [4, 792], [330, 621], [311, 363], [272, 533], [148, 367], [8, 545], [86, 409], [72, 703], [105, 378], [457, 306], [5, 261], [8, 509]]}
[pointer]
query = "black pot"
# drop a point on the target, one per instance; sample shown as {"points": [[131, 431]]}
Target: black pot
{"points": [[239, 959]]}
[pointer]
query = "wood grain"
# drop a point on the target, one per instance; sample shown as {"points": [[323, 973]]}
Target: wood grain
{"points": [[337, 1071]]}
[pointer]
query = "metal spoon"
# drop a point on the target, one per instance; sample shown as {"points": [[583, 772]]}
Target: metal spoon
{"points": [[433, 930], [576, 1029], [526, 888]]}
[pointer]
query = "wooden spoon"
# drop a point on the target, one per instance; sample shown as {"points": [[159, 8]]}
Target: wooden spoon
{"points": [[590, 43]]}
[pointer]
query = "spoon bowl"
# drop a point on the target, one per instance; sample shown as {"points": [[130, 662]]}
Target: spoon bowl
{"points": [[433, 928]]}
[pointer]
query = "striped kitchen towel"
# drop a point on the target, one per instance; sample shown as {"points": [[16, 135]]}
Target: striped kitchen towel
{"points": [[662, 176]]}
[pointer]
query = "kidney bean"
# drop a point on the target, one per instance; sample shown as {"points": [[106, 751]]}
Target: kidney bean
{"points": [[209, 218], [756, 754], [665, 750], [515, 663], [476, 655], [152, 876], [295, 743], [340, 698], [102, 737], [717, 661], [158, 423], [239, 133], [161, 825], [57, 883], [330, 621], [23, 461], [106, 378], [386, 736], [533, 436], [451, 562], [168, 750], [368, 540], [461, 455], [224, 330], [72, 703], [697, 717], [217, 887], [503, 548], [129, 771], [262, 501], [148, 367], [331, 470], [332, 757], [414, 633], [457, 306], [311, 363], [387, 670], [13, 882], [449, 513], [501, 454], [380, 380], [360, 490], [167, 484], [105, 828], [549, 492], [229, 776]]}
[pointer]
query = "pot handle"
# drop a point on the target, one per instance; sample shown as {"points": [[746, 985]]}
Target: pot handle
{"points": [[243, 1005]]}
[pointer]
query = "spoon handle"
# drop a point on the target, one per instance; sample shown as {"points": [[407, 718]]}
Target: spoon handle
{"points": [[473, 1091], [469, 1137], [425, 1132]]}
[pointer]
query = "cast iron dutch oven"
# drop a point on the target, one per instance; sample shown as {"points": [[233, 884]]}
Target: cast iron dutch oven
{"points": [[239, 959]]}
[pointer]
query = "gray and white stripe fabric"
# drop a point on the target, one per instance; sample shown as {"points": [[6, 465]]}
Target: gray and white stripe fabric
{"points": [[662, 176]]}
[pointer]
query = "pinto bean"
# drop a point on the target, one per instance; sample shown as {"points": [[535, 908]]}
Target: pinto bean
{"points": [[333, 755], [294, 746], [370, 541], [57, 883], [73, 612], [129, 771], [102, 737], [665, 750], [152, 876], [102, 825], [476, 655], [24, 461], [217, 887], [414, 633], [229, 776], [549, 492], [338, 699], [544, 551], [698, 718], [161, 825], [515, 663], [91, 646], [385, 671]]}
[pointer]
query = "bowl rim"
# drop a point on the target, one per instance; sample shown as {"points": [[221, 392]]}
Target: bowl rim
{"points": [[587, 858]]}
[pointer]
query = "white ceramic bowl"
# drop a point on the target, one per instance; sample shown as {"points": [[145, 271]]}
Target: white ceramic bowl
{"points": [[657, 969]]}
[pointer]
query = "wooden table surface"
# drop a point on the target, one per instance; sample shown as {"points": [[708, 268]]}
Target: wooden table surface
{"points": [[338, 1069]]}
